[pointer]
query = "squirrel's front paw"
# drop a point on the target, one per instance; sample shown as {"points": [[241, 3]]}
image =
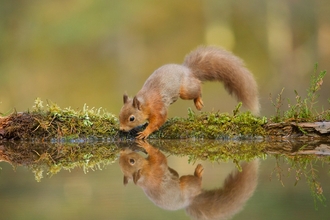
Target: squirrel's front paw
{"points": [[142, 135]]}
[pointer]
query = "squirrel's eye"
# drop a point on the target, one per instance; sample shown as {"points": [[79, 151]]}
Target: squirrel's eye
{"points": [[132, 161], [131, 118]]}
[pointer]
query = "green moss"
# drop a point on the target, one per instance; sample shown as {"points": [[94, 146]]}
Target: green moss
{"points": [[55, 124], [213, 125]]}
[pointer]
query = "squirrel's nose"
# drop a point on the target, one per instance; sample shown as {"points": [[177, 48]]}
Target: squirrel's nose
{"points": [[121, 128]]}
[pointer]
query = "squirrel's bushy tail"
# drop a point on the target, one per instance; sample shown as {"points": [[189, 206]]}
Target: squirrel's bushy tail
{"points": [[214, 64], [223, 203]]}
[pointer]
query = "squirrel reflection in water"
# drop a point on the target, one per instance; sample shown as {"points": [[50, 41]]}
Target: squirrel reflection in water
{"points": [[168, 190]]}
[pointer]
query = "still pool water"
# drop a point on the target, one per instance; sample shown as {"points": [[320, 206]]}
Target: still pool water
{"points": [[85, 181]]}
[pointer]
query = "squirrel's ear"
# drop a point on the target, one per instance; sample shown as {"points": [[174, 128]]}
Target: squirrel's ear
{"points": [[136, 176], [125, 180], [136, 103], [125, 98]]}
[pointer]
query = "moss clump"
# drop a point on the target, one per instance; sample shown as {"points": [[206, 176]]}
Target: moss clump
{"points": [[55, 124], [214, 125]]}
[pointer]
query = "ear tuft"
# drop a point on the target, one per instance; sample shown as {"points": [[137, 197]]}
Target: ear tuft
{"points": [[125, 98], [136, 103], [136, 176], [125, 180]]}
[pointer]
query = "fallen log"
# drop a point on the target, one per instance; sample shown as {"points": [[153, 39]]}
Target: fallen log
{"points": [[63, 125]]}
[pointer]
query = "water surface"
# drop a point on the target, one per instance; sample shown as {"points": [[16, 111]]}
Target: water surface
{"points": [[84, 181]]}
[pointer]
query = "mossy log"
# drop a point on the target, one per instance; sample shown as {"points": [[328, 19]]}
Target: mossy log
{"points": [[56, 124]]}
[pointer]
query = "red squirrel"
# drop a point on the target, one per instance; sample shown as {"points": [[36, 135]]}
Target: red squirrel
{"points": [[166, 189], [169, 82], [160, 183]]}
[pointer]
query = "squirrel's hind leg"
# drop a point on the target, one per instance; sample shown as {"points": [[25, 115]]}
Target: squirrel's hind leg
{"points": [[191, 89], [199, 103], [199, 171]]}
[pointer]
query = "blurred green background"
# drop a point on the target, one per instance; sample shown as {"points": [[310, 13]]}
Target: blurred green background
{"points": [[77, 52], [92, 51]]}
